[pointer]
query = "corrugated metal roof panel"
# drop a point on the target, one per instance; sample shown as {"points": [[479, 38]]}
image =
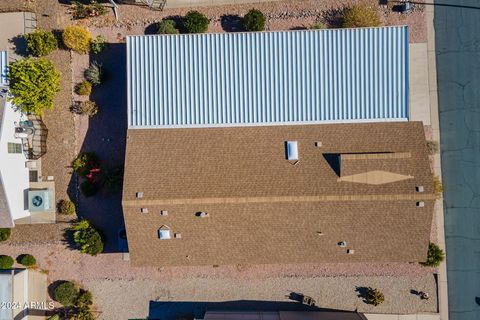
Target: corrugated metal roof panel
{"points": [[3, 68], [261, 78]]}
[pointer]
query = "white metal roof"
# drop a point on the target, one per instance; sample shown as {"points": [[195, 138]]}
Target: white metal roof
{"points": [[3, 68], [262, 78]]}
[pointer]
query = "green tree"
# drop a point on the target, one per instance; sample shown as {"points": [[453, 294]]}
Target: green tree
{"points": [[87, 238], [435, 256], [5, 234], [359, 16], [66, 293], [195, 22], [6, 262], [167, 27], [41, 42], [254, 20], [33, 84]]}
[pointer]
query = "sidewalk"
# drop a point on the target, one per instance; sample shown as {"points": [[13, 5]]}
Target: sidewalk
{"points": [[402, 316]]}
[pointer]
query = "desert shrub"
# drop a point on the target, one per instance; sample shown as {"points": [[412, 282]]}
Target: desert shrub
{"points": [[94, 73], [88, 108], [6, 262], [437, 187], [82, 11], [5, 234], [33, 84], [55, 317], [318, 25], [113, 179], [432, 147], [41, 42], [77, 39], [27, 260], [88, 188], [98, 44], [84, 88], [66, 207], [84, 313], [167, 27], [66, 293], [375, 297], [195, 22], [254, 20], [87, 238], [435, 256], [84, 162], [84, 299], [359, 16]]}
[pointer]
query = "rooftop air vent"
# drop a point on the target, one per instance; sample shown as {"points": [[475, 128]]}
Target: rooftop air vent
{"points": [[318, 144], [419, 189], [350, 251], [291, 150], [420, 204], [202, 214], [163, 212], [144, 210], [139, 195], [342, 244], [177, 236]]}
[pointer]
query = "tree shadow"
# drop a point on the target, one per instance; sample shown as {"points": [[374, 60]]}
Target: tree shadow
{"points": [[20, 45], [334, 17], [362, 292], [151, 28], [299, 28], [232, 23], [106, 137]]}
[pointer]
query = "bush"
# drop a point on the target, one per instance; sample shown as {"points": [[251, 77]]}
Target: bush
{"points": [[88, 108], [375, 297], [55, 317], [195, 22], [27, 260], [87, 238], [167, 27], [6, 262], [77, 39], [94, 73], [359, 16], [432, 147], [88, 189], [435, 256], [84, 88], [318, 25], [254, 20], [82, 11], [66, 207], [5, 234], [84, 299], [33, 84], [437, 187], [40, 42], [66, 293], [98, 44], [84, 162]]}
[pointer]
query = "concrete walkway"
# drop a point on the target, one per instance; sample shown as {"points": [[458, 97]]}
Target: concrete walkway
{"points": [[433, 316]]}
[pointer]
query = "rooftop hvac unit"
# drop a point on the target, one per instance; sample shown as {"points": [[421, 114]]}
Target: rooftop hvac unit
{"points": [[40, 200]]}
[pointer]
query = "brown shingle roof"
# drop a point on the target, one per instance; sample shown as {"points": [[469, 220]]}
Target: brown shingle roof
{"points": [[263, 209]]}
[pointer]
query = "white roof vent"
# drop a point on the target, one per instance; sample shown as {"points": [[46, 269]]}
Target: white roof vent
{"points": [[419, 189], [144, 210], [202, 214], [177, 236], [291, 150], [318, 144], [342, 244], [139, 195], [420, 204], [164, 233], [163, 212], [350, 251]]}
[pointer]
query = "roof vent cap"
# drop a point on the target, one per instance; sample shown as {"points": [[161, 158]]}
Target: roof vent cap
{"points": [[342, 244], [419, 189], [350, 251], [163, 212], [177, 236], [144, 210], [164, 233], [420, 204], [139, 195], [202, 214]]}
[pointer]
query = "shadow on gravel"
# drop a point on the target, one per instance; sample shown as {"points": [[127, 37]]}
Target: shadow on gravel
{"points": [[106, 137], [167, 310], [232, 23]]}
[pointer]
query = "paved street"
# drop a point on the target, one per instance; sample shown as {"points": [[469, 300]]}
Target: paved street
{"points": [[458, 69]]}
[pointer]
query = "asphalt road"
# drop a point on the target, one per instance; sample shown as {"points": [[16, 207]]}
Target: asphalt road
{"points": [[457, 27]]}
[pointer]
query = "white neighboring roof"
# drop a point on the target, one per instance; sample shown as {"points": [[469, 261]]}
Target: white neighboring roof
{"points": [[268, 78], [14, 175], [3, 68]]}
